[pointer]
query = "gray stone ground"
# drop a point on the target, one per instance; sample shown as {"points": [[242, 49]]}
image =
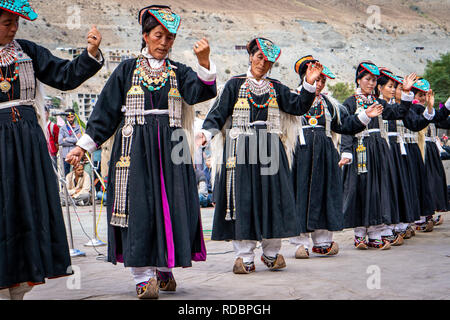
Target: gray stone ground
{"points": [[420, 269]]}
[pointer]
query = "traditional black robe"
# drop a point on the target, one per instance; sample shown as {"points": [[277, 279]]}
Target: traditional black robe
{"points": [[371, 198], [316, 173], [265, 204], [433, 164], [33, 242], [143, 242]]}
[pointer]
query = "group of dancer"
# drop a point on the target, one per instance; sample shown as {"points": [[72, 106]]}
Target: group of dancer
{"points": [[154, 221]]}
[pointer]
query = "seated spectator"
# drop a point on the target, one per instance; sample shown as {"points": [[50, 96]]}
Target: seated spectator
{"points": [[79, 186]]}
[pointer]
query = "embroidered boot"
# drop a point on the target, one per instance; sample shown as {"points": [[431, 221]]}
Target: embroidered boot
{"points": [[274, 263], [243, 268], [361, 243], [148, 289], [329, 250], [166, 281], [379, 244], [302, 253], [394, 240]]}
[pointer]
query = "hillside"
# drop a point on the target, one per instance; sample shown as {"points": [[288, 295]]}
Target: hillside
{"points": [[339, 33]]}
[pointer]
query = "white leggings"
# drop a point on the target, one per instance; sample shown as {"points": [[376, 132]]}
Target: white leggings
{"points": [[374, 232], [141, 274], [319, 238], [245, 248]]}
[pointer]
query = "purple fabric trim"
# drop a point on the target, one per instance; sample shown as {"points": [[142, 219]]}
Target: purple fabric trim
{"points": [[200, 256], [208, 83], [119, 257], [166, 212]]}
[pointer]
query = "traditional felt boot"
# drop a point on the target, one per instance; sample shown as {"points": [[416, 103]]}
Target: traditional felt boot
{"points": [[302, 253], [394, 240], [330, 250], [166, 281], [148, 289], [243, 268], [379, 244], [438, 220], [361, 243], [18, 292], [274, 263]]}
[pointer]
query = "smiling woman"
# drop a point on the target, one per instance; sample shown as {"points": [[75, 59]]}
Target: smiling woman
{"points": [[33, 242]]}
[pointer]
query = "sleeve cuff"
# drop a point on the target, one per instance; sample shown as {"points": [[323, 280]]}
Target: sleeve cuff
{"points": [[347, 155], [207, 76], [208, 135], [364, 118], [408, 97], [308, 87], [427, 115], [87, 143], [99, 57]]}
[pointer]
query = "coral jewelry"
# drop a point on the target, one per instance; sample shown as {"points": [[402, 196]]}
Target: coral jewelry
{"points": [[269, 100], [5, 83], [312, 118]]}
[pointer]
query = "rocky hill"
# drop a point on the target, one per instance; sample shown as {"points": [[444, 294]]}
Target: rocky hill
{"points": [[403, 36]]}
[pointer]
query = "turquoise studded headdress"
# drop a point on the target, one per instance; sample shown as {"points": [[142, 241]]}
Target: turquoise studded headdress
{"points": [[327, 73], [390, 75], [269, 49], [164, 15], [422, 85], [19, 7]]}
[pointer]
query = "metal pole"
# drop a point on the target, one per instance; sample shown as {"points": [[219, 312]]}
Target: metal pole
{"points": [[94, 242], [73, 252]]}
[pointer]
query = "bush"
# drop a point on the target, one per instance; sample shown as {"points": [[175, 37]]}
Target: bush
{"points": [[342, 90], [438, 74]]}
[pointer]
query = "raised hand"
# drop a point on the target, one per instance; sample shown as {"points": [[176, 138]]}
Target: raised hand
{"points": [[202, 51], [409, 81], [75, 155], [313, 72], [430, 100], [94, 39], [374, 110]]}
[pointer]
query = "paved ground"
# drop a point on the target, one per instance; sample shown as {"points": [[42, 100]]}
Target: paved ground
{"points": [[420, 269]]}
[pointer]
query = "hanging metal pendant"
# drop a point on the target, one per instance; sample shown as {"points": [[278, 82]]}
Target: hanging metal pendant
{"points": [[313, 122], [5, 86], [127, 130]]}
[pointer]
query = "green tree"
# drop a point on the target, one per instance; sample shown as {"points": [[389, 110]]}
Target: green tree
{"points": [[438, 74], [342, 90], [75, 107]]}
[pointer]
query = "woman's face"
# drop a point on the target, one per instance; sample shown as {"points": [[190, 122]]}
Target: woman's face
{"points": [[367, 83], [159, 42], [421, 96], [320, 84], [259, 65], [388, 90], [9, 24], [398, 92]]}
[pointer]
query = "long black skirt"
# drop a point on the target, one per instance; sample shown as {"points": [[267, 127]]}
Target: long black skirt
{"points": [[436, 177], [421, 205], [371, 198], [157, 181], [318, 183], [265, 205], [33, 241], [404, 183]]}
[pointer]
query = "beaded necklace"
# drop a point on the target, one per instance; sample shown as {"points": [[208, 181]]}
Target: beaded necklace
{"points": [[271, 91], [8, 56], [152, 79], [364, 102], [312, 118]]}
